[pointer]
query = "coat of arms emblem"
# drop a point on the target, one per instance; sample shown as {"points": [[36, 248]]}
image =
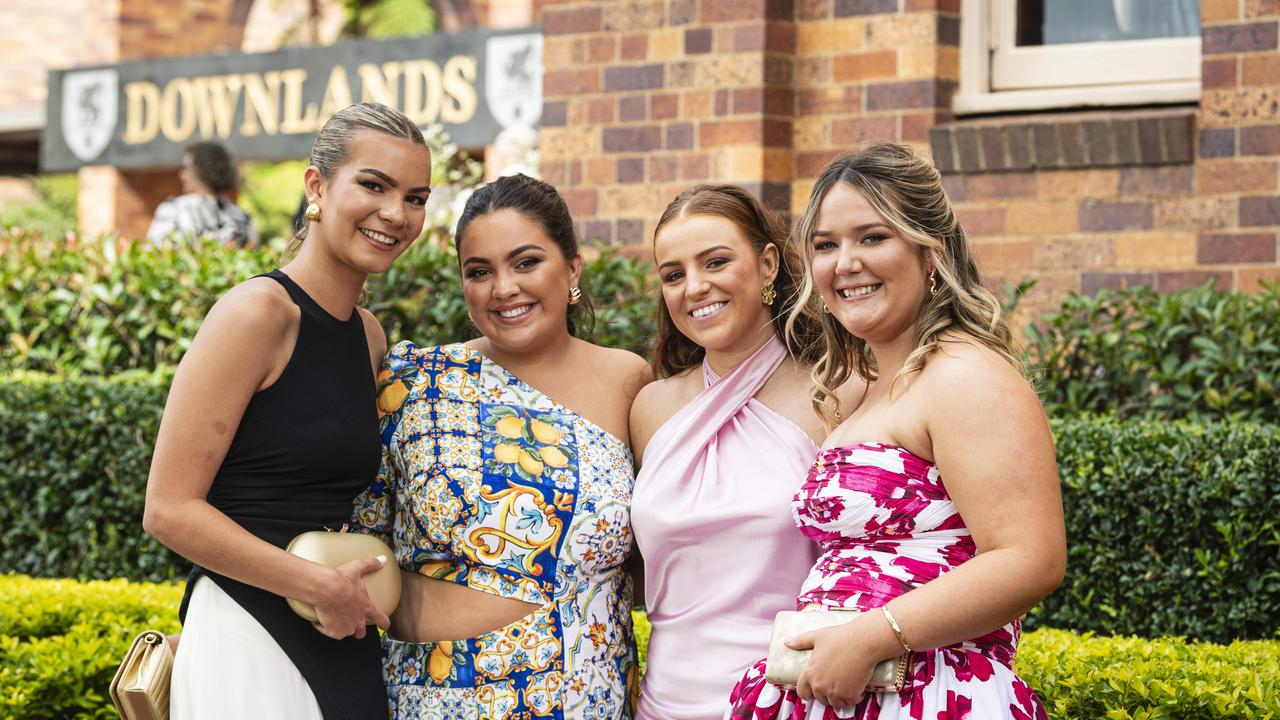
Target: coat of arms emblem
{"points": [[89, 108]]}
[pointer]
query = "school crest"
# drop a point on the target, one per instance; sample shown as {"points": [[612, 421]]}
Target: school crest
{"points": [[513, 79], [89, 108]]}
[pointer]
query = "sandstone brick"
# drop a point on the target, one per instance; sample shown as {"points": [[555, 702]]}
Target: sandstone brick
{"points": [[1102, 216], [633, 77], [1195, 213], [568, 142], [602, 48], [1255, 9], [978, 220], [632, 139], [732, 71], [800, 191], [697, 105], [1239, 38], [813, 71], [1078, 184], [557, 52], [918, 62], [600, 171], [1216, 11], [632, 15], [865, 66], [1168, 282], [837, 36], [889, 32], [811, 133], [1260, 140], [1236, 248], [853, 131], [1154, 250], [1251, 279], [683, 74], [1260, 69], [1259, 211], [1076, 252], [1005, 255], [1227, 176], [1219, 72], [1242, 106], [560, 21], [682, 12], [844, 8], [1156, 180], [1042, 218], [666, 44], [1002, 186]]}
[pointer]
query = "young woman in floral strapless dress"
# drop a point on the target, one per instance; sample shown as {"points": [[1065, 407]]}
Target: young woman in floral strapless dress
{"points": [[935, 504]]}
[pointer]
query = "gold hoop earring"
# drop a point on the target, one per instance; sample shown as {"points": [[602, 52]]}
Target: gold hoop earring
{"points": [[312, 212], [933, 284], [768, 294], [575, 295]]}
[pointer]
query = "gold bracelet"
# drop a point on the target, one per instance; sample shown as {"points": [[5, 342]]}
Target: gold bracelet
{"points": [[896, 630]]}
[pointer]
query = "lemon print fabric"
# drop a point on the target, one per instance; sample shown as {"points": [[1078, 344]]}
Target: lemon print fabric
{"points": [[534, 446]]}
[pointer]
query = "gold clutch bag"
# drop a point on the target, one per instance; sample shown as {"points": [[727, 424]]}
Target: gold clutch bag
{"points": [[140, 689], [338, 548], [784, 664]]}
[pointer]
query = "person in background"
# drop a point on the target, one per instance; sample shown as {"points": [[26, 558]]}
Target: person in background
{"points": [[207, 206], [271, 430], [935, 503], [724, 439]]}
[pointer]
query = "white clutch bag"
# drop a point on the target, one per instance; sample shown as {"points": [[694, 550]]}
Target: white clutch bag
{"points": [[784, 664], [338, 548], [140, 688]]}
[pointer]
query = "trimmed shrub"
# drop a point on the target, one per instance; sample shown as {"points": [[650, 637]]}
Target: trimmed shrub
{"points": [[60, 642], [1140, 353]]}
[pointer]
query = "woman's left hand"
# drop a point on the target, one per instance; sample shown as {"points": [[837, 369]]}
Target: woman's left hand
{"points": [[839, 669]]}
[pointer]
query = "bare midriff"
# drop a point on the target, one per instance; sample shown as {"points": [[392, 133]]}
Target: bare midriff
{"points": [[432, 610]]}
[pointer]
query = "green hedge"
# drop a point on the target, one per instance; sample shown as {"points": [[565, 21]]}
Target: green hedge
{"points": [[1196, 353], [1172, 526], [61, 640], [103, 307]]}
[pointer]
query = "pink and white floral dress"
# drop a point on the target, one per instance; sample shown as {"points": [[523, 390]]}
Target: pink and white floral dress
{"points": [[886, 525]]}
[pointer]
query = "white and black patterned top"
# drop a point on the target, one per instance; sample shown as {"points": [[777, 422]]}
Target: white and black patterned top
{"points": [[194, 216]]}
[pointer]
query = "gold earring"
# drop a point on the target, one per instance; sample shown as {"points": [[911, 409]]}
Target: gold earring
{"points": [[933, 284], [575, 295], [825, 309], [312, 212], [768, 294]]}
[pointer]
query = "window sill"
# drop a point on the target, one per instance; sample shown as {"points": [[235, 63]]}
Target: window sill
{"points": [[1063, 141]]}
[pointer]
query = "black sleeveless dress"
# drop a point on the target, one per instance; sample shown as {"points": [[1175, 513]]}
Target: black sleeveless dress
{"points": [[306, 446]]}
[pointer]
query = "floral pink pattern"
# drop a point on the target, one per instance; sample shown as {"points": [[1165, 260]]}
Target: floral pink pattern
{"points": [[885, 524]]}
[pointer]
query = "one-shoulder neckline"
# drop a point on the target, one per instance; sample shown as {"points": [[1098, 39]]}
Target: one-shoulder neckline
{"points": [[870, 444], [556, 405]]}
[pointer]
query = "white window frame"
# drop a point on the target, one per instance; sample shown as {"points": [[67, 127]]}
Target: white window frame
{"points": [[996, 75]]}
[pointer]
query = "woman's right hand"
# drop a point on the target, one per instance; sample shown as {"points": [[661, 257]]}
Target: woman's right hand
{"points": [[345, 609]]}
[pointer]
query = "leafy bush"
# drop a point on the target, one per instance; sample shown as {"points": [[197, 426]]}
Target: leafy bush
{"points": [[1173, 528], [1139, 353], [53, 211], [60, 642], [74, 456]]}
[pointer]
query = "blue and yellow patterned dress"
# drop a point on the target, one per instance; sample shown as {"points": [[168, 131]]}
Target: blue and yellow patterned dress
{"points": [[490, 484]]}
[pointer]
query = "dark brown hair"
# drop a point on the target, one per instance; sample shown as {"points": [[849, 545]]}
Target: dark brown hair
{"points": [[673, 351]]}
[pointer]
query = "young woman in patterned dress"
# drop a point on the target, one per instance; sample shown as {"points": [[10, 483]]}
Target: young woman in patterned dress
{"points": [[505, 486], [935, 503]]}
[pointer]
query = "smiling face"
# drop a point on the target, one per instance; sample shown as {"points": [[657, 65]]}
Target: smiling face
{"points": [[516, 281], [873, 280], [373, 205], [711, 280]]}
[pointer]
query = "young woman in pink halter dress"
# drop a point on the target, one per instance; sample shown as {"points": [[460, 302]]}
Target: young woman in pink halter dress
{"points": [[724, 439], [936, 502]]}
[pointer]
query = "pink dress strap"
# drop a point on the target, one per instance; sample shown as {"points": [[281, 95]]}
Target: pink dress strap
{"points": [[711, 517]]}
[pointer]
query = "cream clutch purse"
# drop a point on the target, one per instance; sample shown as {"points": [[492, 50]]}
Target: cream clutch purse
{"points": [[140, 688], [336, 548], [784, 664]]}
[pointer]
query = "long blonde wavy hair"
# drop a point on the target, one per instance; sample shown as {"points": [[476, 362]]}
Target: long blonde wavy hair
{"points": [[907, 191]]}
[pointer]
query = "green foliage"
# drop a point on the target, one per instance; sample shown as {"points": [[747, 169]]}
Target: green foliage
{"points": [[271, 196], [1140, 353], [388, 18], [61, 641], [74, 457], [1082, 677], [1173, 528], [53, 213]]}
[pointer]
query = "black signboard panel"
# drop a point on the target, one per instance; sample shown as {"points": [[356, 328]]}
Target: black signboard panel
{"points": [[268, 106]]}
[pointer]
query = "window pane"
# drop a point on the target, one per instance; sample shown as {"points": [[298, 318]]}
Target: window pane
{"points": [[1054, 22]]}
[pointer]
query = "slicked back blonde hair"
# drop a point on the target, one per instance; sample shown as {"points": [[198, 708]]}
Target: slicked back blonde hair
{"points": [[907, 191]]}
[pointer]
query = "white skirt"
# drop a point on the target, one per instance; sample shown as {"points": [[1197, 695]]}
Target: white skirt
{"points": [[228, 667]]}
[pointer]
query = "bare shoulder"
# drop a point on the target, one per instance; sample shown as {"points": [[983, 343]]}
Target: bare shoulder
{"points": [[657, 403], [255, 306], [624, 368], [964, 377], [373, 334]]}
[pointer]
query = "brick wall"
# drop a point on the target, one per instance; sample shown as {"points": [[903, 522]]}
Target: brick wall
{"points": [[40, 36], [643, 99]]}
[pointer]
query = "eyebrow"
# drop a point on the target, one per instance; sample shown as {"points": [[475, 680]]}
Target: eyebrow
{"points": [[392, 181], [858, 229], [704, 253], [511, 255]]}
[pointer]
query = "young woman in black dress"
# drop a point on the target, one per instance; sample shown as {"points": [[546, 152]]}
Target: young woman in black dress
{"points": [[271, 430]]}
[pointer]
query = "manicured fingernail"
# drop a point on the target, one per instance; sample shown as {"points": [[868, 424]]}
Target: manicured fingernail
{"points": [[787, 640], [382, 559]]}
